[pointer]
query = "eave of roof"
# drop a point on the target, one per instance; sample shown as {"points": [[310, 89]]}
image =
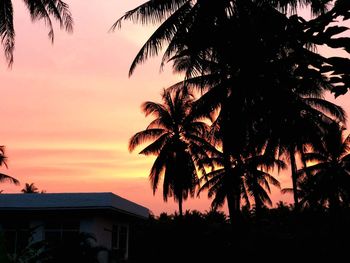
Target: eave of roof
{"points": [[71, 201]]}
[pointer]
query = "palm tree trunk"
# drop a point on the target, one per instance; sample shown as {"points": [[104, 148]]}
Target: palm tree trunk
{"points": [[334, 204], [258, 205], [231, 180], [180, 206], [232, 210], [232, 187], [294, 177]]}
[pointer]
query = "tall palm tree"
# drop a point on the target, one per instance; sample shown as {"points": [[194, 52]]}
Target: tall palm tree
{"points": [[4, 177], [290, 56], [45, 10], [329, 183], [176, 140], [206, 37], [30, 189]]}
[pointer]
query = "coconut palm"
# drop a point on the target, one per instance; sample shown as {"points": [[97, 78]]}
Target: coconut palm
{"points": [[4, 177], [256, 183], [329, 183], [176, 139], [30, 189], [46, 10], [292, 121], [213, 39], [302, 123], [253, 173]]}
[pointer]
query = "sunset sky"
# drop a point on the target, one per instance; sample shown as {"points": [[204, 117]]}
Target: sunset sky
{"points": [[69, 109]]}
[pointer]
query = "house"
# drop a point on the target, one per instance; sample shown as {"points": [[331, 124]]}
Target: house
{"points": [[62, 216]]}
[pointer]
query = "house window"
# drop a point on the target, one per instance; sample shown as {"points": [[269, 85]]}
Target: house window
{"points": [[120, 238], [16, 236], [57, 232]]}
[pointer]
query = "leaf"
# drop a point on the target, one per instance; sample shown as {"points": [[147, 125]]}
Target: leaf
{"points": [[335, 80], [7, 178], [334, 30], [325, 69], [342, 6], [342, 42], [7, 32], [339, 90], [340, 64], [346, 16]]}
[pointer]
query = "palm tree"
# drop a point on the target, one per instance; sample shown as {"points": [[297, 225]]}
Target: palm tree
{"points": [[176, 140], [329, 183], [4, 177], [208, 39], [256, 182], [45, 10], [30, 189], [253, 172], [302, 122]]}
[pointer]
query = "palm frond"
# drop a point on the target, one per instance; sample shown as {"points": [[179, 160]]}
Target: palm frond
{"points": [[315, 157], [144, 136], [7, 32], [66, 19], [327, 107], [212, 181], [150, 108], [272, 180], [157, 170], [151, 12], [265, 198], [164, 33], [3, 158], [209, 102], [345, 147], [155, 147], [196, 128], [200, 83], [176, 43], [292, 6], [7, 178], [218, 200], [38, 11]]}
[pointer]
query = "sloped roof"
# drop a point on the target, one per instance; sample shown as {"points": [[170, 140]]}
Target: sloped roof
{"points": [[59, 201]]}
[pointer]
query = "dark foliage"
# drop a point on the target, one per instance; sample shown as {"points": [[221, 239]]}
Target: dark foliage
{"points": [[198, 238]]}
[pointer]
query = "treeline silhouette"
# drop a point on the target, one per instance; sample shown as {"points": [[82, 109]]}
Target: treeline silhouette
{"points": [[252, 100], [277, 235]]}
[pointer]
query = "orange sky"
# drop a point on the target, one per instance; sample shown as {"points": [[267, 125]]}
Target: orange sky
{"points": [[68, 109]]}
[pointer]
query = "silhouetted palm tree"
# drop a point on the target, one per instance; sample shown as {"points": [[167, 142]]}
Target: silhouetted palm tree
{"points": [[202, 40], [45, 10], [177, 139], [301, 123], [30, 189], [4, 177], [329, 183], [255, 179]]}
